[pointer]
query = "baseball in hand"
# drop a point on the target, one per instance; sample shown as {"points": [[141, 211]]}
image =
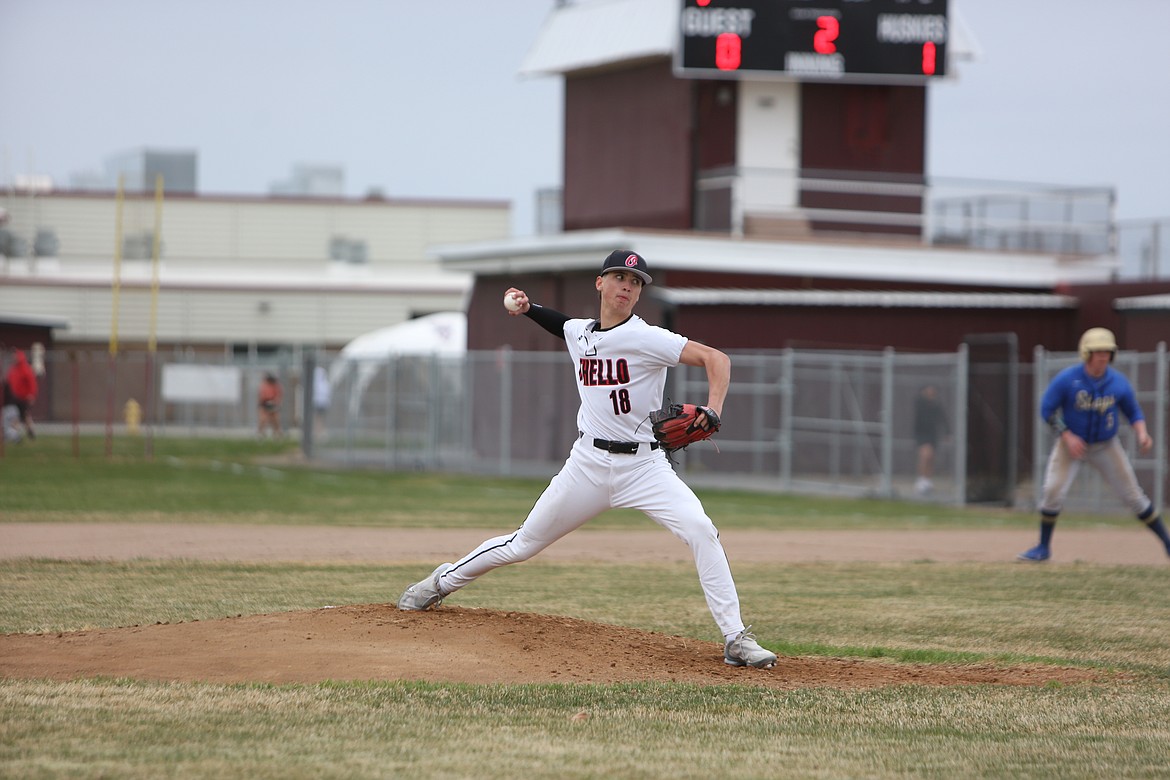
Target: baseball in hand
{"points": [[511, 302]]}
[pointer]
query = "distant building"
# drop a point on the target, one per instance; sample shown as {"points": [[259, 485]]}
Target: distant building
{"points": [[140, 169], [322, 181], [780, 207], [234, 272]]}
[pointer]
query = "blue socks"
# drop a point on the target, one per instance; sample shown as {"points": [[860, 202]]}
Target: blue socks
{"points": [[1047, 526], [1151, 520], [1155, 524]]}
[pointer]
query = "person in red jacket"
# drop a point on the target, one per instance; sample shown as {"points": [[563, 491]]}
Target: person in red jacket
{"points": [[22, 390]]}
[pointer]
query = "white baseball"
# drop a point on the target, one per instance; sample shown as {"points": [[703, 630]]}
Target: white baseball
{"points": [[511, 302]]}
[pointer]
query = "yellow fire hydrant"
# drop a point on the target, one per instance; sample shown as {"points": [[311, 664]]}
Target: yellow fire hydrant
{"points": [[133, 412]]}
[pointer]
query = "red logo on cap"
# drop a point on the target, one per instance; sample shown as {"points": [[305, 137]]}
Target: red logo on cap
{"points": [[632, 261]]}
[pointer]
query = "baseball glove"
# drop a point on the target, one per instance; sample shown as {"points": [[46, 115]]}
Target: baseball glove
{"points": [[675, 426]]}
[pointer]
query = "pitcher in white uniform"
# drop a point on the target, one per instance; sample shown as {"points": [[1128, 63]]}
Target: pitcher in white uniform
{"points": [[621, 364]]}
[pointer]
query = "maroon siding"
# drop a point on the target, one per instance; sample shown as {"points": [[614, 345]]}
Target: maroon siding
{"points": [[627, 149], [715, 153], [19, 335], [849, 127], [819, 327], [848, 327], [1142, 330], [716, 106], [1134, 330], [856, 129]]}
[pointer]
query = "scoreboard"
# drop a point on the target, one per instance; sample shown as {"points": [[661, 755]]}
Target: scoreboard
{"points": [[875, 41]]}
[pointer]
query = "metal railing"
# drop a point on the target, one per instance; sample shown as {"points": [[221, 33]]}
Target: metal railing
{"points": [[937, 211]]}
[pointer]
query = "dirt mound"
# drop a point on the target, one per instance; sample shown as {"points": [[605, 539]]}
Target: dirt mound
{"points": [[452, 644]]}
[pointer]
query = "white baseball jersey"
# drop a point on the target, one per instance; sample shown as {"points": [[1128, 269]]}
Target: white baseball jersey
{"points": [[620, 375]]}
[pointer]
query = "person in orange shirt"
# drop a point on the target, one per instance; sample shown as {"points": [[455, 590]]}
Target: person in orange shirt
{"points": [[269, 406], [21, 383]]}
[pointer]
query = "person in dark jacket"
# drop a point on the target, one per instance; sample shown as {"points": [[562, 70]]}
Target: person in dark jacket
{"points": [[930, 426]]}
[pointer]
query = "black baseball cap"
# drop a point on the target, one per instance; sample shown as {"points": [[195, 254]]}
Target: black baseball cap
{"points": [[625, 260]]}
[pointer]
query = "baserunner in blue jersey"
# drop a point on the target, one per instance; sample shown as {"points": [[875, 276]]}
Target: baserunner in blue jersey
{"points": [[1082, 404]]}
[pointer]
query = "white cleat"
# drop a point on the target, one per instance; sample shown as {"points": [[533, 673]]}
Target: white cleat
{"points": [[744, 650], [424, 594]]}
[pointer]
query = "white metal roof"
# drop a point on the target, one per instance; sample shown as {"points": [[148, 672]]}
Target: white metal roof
{"points": [[1143, 303], [594, 33], [334, 277], [856, 259], [867, 298], [582, 35]]}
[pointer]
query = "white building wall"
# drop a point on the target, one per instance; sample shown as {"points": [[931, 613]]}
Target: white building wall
{"points": [[199, 230], [241, 270], [213, 316], [768, 148]]}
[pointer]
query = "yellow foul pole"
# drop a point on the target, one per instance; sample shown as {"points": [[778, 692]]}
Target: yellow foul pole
{"points": [[152, 340], [117, 285], [114, 306]]}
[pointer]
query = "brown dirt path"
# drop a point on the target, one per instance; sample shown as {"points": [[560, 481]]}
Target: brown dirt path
{"points": [[377, 642], [127, 541]]}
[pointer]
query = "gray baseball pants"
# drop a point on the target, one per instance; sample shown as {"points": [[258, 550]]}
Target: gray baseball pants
{"points": [[1109, 459]]}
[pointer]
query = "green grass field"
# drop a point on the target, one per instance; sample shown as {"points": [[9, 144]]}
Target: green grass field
{"points": [[1110, 618]]}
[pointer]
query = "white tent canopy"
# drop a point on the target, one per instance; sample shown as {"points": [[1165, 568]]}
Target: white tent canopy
{"points": [[443, 334]]}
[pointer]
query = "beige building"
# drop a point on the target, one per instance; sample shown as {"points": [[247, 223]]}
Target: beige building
{"points": [[234, 272]]}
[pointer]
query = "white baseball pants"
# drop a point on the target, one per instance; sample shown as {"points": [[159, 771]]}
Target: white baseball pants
{"points": [[592, 481]]}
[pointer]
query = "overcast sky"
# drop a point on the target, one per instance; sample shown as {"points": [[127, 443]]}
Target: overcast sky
{"points": [[423, 98]]}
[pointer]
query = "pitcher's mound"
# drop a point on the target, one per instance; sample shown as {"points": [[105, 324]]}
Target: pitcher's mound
{"points": [[451, 644]]}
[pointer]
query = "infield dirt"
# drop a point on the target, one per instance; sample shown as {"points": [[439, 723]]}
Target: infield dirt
{"points": [[458, 644]]}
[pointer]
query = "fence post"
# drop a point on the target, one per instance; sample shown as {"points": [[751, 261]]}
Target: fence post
{"points": [[962, 377], [467, 426], [390, 402], [1160, 426], [506, 410], [308, 405], [1039, 384], [75, 401], [784, 435], [352, 411], [887, 480], [759, 400], [434, 413]]}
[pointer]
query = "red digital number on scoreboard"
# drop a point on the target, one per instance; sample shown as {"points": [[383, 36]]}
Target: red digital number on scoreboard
{"points": [[824, 39], [928, 59], [728, 51]]}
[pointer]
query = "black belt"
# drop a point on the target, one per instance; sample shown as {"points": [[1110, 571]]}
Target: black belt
{"points": [[621, 447]]}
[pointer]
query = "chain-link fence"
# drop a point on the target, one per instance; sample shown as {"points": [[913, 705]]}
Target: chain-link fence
{"points": [[821, 422]]}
